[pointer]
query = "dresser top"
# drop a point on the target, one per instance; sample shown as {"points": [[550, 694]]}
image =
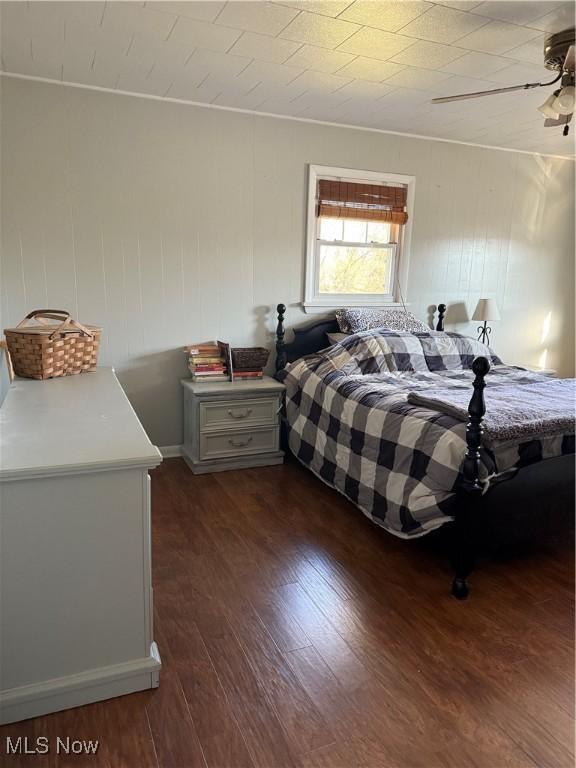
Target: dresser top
{"points": [[266, 384], [70, 424]]}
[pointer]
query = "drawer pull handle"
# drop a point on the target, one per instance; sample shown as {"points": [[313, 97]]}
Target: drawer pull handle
{"points": [[240, 414], [240, 443]]}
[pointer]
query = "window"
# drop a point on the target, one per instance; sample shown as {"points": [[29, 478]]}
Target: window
{"points": [[358, 238]]}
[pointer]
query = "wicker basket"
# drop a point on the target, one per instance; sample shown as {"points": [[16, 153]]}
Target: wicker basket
{"points": [[45, 351], [249, 358]]}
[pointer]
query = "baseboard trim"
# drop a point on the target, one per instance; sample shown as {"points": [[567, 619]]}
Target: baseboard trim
{"points": [[170, 451], [83, 688]]}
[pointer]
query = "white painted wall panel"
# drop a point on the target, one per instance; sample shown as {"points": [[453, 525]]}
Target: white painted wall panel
{"points": [[168, 224]]}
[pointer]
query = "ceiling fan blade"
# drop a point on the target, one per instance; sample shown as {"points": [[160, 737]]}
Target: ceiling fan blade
{"points": [[551, 123], [569, 61], [477, 94]]}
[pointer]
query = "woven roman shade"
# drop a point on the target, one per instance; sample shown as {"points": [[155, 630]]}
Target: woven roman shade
{"points": [[372, 202]]}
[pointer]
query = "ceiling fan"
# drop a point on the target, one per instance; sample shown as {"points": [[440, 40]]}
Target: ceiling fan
{"points": [[558, 57]]}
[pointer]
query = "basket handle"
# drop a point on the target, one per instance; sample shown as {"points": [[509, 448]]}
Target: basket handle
{"points": [[55, 314]]}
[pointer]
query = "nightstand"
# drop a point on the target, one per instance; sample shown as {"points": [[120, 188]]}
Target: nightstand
{"points": [[232, 424]]}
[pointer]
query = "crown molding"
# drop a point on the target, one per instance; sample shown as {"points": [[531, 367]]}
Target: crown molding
{"points": [[221, 107]]}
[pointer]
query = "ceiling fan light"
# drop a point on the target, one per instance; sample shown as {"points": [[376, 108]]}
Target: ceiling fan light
{"points": [[548, 108], [564, 102]]}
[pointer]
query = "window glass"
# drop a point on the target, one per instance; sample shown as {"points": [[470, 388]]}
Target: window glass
{"points": [[354, 231], [331, 229], [379, 232], [354, 270]]}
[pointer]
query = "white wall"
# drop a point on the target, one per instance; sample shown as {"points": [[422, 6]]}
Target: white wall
{"points": [[168, 224]]}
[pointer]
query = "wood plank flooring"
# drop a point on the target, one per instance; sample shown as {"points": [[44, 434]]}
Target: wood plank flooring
{"points": [[293, 632]]}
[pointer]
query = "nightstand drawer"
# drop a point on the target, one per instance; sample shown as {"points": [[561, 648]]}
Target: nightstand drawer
{"points": [[239, 443], [237, 413]]}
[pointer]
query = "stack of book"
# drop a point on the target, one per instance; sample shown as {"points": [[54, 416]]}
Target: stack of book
{"points": [[247, 363], [247, 374], [208, 361]]}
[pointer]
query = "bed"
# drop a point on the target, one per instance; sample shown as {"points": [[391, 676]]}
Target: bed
{"points": [[395, 421]]}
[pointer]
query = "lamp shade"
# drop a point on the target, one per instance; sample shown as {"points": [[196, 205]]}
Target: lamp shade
{"points": [[486, 309], [547, 109], [564, 102]]}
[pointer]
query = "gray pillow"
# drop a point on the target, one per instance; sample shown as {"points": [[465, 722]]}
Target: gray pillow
{"points": [[334, 338], [356, 320]]}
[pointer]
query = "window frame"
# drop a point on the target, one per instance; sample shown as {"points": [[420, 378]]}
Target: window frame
{"points": [[316, 302]]}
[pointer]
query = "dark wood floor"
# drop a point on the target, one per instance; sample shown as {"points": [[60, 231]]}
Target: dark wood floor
{"points": [[293, 632]]}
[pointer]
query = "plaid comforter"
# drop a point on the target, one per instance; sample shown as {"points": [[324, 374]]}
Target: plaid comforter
{"points": [[350, 422]]}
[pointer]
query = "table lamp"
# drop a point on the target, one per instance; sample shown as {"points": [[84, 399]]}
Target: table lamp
{"points": [[486, 310]]}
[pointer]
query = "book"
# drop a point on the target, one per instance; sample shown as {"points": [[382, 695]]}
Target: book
{"points": [[210, 348], [210, 373], [247, 376], [208, 368], [199, 359], [242, 371], [207, 379], [226, 355]]}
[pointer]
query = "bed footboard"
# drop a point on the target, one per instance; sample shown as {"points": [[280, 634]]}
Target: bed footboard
{"points": [[470, 492]]}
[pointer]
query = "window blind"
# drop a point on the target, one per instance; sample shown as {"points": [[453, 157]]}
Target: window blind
{"points": [[352, 200]]}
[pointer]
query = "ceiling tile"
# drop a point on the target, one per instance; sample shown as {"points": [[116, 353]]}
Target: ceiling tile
{"points": [[155, 84], [319, 81], [80, 34], [323, 7], [443, 25], [319, 30], [359, 89], [389, 15], [428, 55], [145, 22], [264, 47], [313, 98], [516, 11], [89, 11], [516, 74], [475, 64], [375, 44], [182, 88], [221, 65], [421, 79], [262, 17], [165, 54], [263, 72], [272, 90], [370, 69], [460, 5], [497, 37], [319, 59], [456, 85], [238, 100], [202, 35], [560, 18], [532, 51], [205, 60], [278, 105], [200, 11]]}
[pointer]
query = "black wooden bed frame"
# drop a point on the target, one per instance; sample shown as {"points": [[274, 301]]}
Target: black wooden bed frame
{"points": [[469, 497]]}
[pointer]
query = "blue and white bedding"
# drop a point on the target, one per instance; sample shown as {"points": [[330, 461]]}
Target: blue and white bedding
{"points": [[350, 422]]}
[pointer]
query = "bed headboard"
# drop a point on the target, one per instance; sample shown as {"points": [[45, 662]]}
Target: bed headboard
{"points": [[311, 338]]}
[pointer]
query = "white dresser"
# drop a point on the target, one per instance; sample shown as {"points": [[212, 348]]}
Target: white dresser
{"points": [[232, 424], [75, 576]]}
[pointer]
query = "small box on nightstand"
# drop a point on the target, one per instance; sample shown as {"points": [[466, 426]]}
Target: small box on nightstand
{"points": [[232, 424]]}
